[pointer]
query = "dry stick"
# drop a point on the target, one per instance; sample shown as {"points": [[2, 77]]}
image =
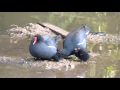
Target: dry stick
{"points": [[54, 28]]}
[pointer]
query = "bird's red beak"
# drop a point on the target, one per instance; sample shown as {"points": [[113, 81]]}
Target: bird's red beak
{"points": [[35, 40]]}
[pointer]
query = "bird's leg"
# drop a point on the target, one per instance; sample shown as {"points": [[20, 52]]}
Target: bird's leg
{"points": [[57, 56]]}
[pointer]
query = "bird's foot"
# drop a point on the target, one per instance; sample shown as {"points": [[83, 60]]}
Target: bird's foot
{"points": [[56, 57]]}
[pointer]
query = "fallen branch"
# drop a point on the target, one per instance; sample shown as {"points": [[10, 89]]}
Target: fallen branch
{"points": [[54, 29]]}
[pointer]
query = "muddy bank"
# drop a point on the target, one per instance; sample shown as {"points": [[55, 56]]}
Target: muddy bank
{"points": [[30, 62], [67, 64], [31, 29], [16, 33], [105, 38]]}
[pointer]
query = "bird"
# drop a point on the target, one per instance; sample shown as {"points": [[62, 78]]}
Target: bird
{"points": [[44, 47], [81, 54], [75, 43]]}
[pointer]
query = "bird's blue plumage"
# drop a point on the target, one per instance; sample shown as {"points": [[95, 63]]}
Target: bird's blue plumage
{"points": [[75, 39], [45, 47]]}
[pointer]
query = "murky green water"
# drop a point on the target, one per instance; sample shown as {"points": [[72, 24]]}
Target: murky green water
{"points": [[105, 66]]}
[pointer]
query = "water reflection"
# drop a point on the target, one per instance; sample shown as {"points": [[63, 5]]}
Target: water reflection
{"points": [[110, 49], [92, 70], [106, 65], [110, 72], [99, 70], [98, 21]]}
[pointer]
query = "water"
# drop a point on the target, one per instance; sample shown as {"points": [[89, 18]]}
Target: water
{"points": [[104, 66]]}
